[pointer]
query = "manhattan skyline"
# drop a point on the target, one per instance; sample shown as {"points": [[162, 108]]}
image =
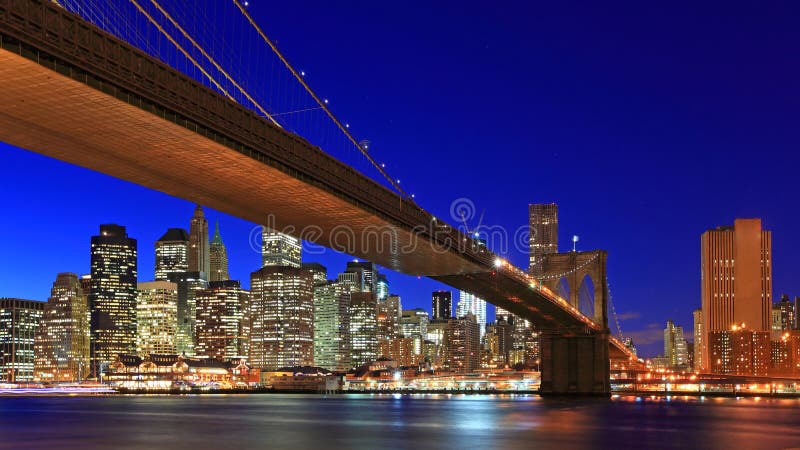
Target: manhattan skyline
{"points": [[643, 145]]}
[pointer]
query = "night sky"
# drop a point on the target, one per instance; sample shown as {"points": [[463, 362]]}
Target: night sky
{"points": [[647, 125]]}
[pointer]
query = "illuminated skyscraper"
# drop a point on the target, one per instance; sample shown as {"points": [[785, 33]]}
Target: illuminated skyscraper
{"points": [[279, 249], [389, 313], [442, 304], [788, 317], [736, 279], [19, 323], [318, 272], [218, 257], [199, 258], [366, 275], [332, 326], [62, 342], [382, 286], [470, 303], [543, 219], [221, 327], [172, 253], [363, 328], [156, 317], [699, 342], [676, 349], [112, 299], [462, 344], [282, 317], [414, 325], [188, 284]]}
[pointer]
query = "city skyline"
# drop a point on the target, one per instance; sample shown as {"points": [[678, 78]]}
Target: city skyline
{"points": [[665, 221]]}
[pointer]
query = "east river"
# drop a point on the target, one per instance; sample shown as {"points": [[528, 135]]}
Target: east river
{"points": [[394, 421]]}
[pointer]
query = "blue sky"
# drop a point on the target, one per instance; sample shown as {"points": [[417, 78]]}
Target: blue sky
{"points": [[646, 123]]}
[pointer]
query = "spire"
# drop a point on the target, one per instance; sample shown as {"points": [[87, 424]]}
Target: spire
{"points": [[217, 239], [198, 211]]}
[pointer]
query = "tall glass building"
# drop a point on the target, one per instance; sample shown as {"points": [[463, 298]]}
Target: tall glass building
{"points": [[221, 320], [279, 249], [112, 299], [332, 326], [363, 328], [188, 283], [172, 253], [19, 322], [62, 342], [157, 318], [543, 220], [469, 303]]}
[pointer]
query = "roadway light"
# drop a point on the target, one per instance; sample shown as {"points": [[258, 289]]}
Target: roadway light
{"points": [[498, 262]]}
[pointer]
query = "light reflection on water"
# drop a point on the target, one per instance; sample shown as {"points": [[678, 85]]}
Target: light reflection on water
{"points": [[372, 421]]}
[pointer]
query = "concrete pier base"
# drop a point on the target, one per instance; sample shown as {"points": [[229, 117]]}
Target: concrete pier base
{"points": [[575, 364]]}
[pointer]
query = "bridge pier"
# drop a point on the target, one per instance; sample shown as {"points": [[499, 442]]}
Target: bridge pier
{"points": [[574, 363]]}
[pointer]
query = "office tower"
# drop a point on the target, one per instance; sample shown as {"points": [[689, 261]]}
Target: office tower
{"points": [[62, 342], [442, 304], [414, 325], [675, 347], [282, 317], [382, 287], [736, 281], [319, 273], [19, 323], [199, 259], [787, 313], [172, 253], [739, 351], [332, 326], [699, 343], [500, 313], [363, 328], [775, 322], [364, 275], [156, 317], [462, 344], [543, 219], [221, 324], [188, 284], [112, 297], [401, 350], [389, 313], [470, 303], [524, 342], [279, 249], [218, 258]]}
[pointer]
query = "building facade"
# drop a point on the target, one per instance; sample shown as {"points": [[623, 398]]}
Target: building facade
{"points": [[543, 220], [221, 326], [62, 341], [156, 317], [172, 253], [363, 328], [19, 322], [736, 279], [442, 305], [472, 304], [279, 249], [188, 284], [218, 258], [462, 344], [199, 259], [112, 297], [332, 326], [676, 349]]}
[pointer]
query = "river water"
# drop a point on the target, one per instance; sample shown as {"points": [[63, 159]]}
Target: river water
{"points": [[394, 421]]}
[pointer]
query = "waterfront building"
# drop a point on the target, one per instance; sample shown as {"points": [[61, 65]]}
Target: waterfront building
{"points": [[543, 240], [172, 253], [282, 317], [19, 322], [332, 326], [363, 328], [280, 249], [739, 351], [188, 284], [156, 317], [112, 296], [61, 350], [199, 259], [462, 344], [221, 326], [402, 350], [414, 325], [218, 258], [442, 304], [736, 281]]}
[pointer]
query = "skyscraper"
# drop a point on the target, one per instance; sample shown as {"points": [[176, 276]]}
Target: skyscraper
{"points": [[19, 322], [699, 343], [319, 273], [470, 303], [382, 286], [172, 253], [199, 258], [221, 320], [543, 219], [156, 317], [112, 299], [218, 258], [736, 281], [414, 325], [62, 341], [675, 347], [787, 313], [366, 275], [390, 311], [188, 284], [442, 304], [279, 249], [282, 317], [332, 326], [363, 328], [462, 344]]}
